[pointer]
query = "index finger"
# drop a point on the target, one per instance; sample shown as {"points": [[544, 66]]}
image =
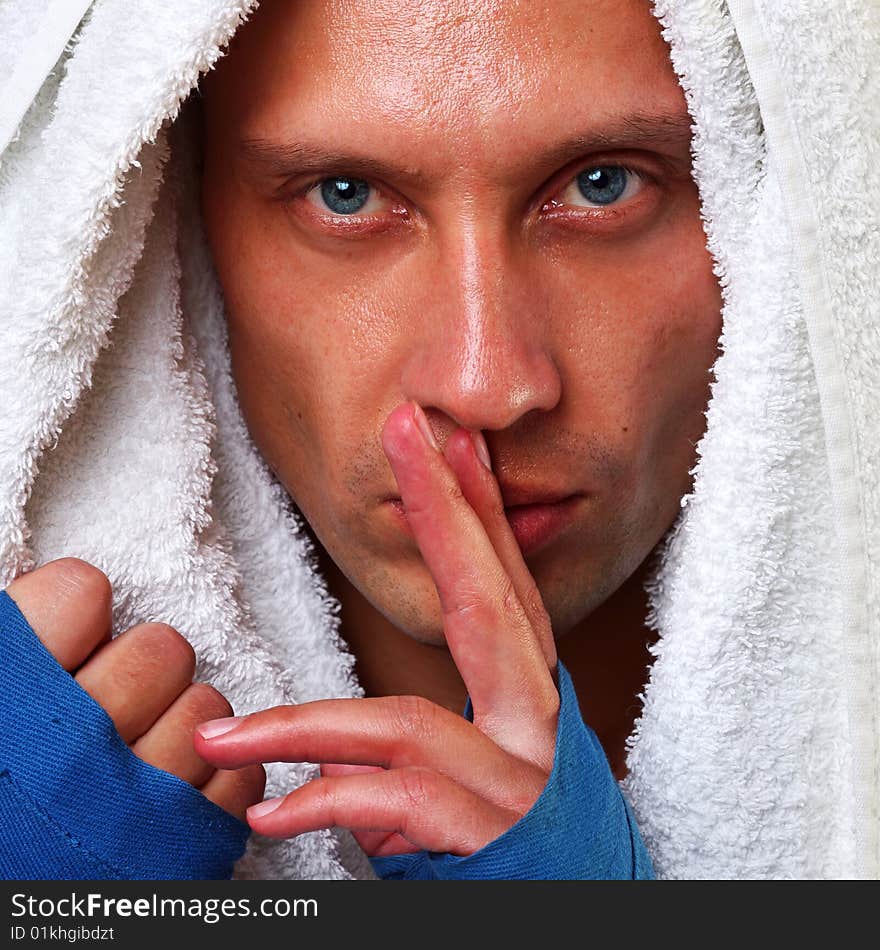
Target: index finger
{"points": [[487, 629], [483, 494]]}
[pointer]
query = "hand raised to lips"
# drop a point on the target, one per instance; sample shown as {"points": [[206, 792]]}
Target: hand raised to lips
{"points": [[402, 773]]}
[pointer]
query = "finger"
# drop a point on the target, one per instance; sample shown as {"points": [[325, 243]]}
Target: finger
{"points": [[331, 769], [378, 844], [481, 490], [168, 743], [487, 630], [237, 790], [373, 843], [137, 676], [427, 809], [389, 732], [68, 604]]}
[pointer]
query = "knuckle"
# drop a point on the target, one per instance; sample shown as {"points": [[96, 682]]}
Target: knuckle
{"points": [[208, 701], [79, 578], [544, 715], [546, 720], [453, 491], [176, 651], [68, 603], [528, 791], [534, 604], [326, 798], [509, 598], [463, 607], [415, 717], [548, 703], [418, 787], [468, 604]]}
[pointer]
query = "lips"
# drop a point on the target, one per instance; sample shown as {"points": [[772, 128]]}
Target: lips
{"points": [[534, 525]]}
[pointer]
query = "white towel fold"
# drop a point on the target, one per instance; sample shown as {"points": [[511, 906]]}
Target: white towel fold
{"points": [[121, 439]]}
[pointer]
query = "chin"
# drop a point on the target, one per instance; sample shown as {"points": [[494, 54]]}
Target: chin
{"points": [[416, 613], [415, 607], [432, 638]]}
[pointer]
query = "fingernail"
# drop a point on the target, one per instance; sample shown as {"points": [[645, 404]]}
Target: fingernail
{"points": [[424, 426], [216, 727], [481, 448], [264, 808]]}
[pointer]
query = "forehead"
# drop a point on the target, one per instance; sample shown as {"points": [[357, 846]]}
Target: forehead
{"points": [[424, 71]]}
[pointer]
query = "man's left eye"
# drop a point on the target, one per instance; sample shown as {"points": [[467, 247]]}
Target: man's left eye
{"points": [[598, 186]]}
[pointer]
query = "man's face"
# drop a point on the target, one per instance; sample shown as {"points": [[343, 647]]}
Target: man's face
{"points": [[485, 207]]}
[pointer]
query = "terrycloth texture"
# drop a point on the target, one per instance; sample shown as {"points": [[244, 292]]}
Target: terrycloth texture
{"points": [[121, 440], [580, 828], [130, 481], [43, 29], [136, 822], [760, 724]]}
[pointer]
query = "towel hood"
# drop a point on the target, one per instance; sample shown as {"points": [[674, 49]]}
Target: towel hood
{"points": [[757, 752]]}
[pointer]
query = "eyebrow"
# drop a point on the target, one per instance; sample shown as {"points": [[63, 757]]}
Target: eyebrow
{"points": [[667, 132]]}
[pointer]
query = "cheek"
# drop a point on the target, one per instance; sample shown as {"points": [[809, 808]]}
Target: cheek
{"points": [[278, 351], [277, 375], [640, 370], [681, 346], [686, 327], [307, 322], [309, 357]]}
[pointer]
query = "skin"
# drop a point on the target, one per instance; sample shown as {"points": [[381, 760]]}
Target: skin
{"points": [[572, 340], [462, 295], [481, 284], [142, 678], [416, 775]]}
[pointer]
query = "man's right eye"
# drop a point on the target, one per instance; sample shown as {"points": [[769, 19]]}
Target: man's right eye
{"points": [[341, 195]]}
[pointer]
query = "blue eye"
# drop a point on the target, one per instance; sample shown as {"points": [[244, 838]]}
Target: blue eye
{"points": [[345, 195], [602, 184]]}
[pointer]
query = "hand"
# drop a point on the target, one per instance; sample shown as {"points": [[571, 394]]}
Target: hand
{"points": [[142, 678], [403, 773]]}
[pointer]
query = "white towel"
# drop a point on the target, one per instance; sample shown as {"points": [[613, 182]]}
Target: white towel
{"points": [[121, 440]]}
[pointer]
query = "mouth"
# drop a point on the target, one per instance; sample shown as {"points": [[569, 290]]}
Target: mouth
{"points": [[534, 525]]}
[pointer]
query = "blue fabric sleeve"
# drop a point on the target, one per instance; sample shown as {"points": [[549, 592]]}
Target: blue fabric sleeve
{"points": [[581, 827], [75, 802]]}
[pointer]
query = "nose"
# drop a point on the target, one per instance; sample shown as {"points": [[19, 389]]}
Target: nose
{"points": [[480, 351]]}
